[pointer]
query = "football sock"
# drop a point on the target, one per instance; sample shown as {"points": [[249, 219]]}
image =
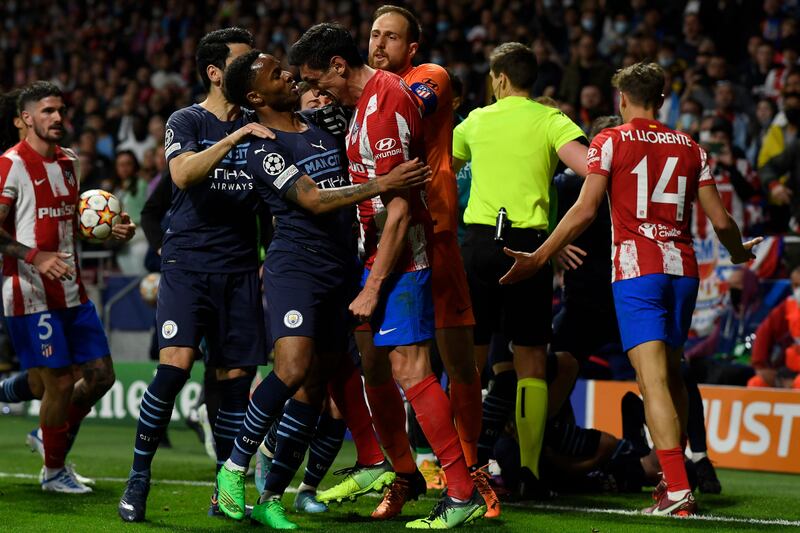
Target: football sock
{"points": [[16, 389], [265, 406], [75, 416], [696, 423], [295, 431], [531, 415], [466, 401], [211, 395], [154, 413], [324, 448], [271, 440], [390, 423], [435, 416], [55, 446], [419, 443], [347, 391], [497, 407], [674, 471], [234, 395]]}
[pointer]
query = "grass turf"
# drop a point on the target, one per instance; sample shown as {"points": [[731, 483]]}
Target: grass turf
{"points": [[104, 451]]}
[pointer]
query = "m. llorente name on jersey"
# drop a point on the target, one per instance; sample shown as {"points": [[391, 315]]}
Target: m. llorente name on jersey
{"points": [[227, 179]]}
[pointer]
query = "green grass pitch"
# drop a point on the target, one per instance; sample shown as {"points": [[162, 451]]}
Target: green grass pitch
{"points": [[179, 496]]}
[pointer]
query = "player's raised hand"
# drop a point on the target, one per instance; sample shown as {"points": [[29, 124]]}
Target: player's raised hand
{"points": [[255, 129], [525, 265], [405, 175], [747, 251], [53, 265], [364, 304], [571, 257], [125, 229]]}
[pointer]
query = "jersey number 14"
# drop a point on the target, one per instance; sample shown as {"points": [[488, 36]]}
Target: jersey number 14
{"points": [[660, 194]]}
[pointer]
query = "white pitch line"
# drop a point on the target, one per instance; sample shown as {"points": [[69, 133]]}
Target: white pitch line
{"points": [[521, 505]]}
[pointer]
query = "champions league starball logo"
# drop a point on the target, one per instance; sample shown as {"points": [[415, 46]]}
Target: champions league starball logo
{"points": [[273, 164]]}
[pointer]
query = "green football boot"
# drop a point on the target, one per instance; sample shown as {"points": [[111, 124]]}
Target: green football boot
{"points": [[449, 514], [230, 484], [272, 513], [359, 480]]}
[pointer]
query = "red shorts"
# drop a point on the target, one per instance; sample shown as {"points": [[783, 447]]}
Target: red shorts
{"points": [[451, 301]]}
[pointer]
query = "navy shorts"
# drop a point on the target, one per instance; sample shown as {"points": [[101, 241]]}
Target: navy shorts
{"points": [[306, 297], [225, 309], [58, 339], [655, 307], [404, 315]]}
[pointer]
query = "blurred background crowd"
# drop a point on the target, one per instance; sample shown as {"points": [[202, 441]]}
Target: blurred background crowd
{"points": [[733, 83]]}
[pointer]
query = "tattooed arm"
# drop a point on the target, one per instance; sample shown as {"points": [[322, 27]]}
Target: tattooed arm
{"points": [[50, 264], [307, 195]]}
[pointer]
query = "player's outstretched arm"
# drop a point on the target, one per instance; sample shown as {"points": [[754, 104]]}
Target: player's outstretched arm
{"points": [[573, 154], [307, 195], [577, 219], [191, 168], [390, 246], [724, 226], [50, 264]]}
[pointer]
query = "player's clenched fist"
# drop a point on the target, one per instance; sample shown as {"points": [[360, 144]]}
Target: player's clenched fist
{"points": [[364, 304], [125, 229], [53, 266]]}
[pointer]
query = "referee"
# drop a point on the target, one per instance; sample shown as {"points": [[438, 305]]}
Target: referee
{"points": [[514, 146]]}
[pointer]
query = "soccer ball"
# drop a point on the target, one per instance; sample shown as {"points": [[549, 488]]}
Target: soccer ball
{"points": [[148, 288], [98, 212]]}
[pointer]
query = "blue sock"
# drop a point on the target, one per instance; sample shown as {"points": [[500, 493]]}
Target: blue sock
{"points": [[497, 407], [294, 433], [16, 389], [234, 396], [324, 448], [155, 412], [264, 407], [271, 440]]}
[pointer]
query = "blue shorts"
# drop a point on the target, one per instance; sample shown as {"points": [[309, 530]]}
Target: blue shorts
{"points": [[404, 315], [655, 307], [306, 297], [225, 309], [58, 339]]}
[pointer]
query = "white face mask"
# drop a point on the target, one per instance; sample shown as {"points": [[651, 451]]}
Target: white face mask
{"points": [[796, 293]]}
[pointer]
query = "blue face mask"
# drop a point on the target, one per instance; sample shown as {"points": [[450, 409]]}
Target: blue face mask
{"points": [[687, 119], [666, 62], [587, 24], [620, 27], [442, 26]]}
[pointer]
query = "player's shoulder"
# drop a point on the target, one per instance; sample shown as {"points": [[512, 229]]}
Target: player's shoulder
{"points": [[187, 115], [430, 74]]}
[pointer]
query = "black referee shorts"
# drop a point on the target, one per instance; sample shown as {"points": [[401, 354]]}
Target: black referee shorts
{"points": [[522, 312]]}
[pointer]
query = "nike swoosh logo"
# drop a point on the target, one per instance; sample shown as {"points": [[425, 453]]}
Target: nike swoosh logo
{"points": [[386, 331], [39, 182]]}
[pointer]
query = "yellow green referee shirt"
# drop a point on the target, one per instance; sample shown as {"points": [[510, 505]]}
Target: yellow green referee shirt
{"points": [[512, 145]]}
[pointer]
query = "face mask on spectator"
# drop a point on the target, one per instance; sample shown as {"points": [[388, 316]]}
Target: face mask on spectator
{"points": [[587, 24], [736, 297], [705, 137], [620, 27], [796, 293], [793, 116], [666, 61], [442, 26]]}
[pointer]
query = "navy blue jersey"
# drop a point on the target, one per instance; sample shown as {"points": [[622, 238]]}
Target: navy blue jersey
{"points": [[276, 165], [212, 225]]}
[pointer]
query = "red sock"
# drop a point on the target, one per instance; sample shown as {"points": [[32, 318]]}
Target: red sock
{"points": [[435, 417], [673, 469], [467, 406], [55, 445], [390, 423], [347, 391]]}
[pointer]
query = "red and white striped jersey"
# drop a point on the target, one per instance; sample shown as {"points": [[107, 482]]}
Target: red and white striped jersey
{"points": [[386, 130], [654, 174], [43, 195]]}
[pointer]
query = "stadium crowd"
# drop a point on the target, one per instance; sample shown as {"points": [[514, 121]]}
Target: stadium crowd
{"points": [[125, 68]]}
